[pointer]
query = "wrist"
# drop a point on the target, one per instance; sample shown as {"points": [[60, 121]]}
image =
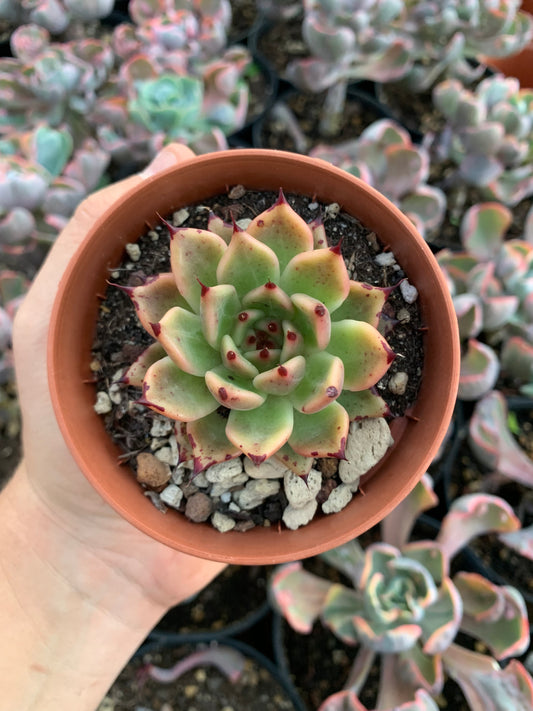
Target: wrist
{"points": [[72, 616]]}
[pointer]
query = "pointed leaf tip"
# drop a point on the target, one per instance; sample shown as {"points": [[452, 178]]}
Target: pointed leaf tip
{"points": [[170, 227]]}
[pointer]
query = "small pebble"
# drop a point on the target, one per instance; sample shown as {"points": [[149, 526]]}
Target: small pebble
{"points": [[385, 259], [172, 495], [222, 523], [409, 292], [332, 210], [103, 403], [133, 251], [151, 471], [199, 507], [398, 383]]}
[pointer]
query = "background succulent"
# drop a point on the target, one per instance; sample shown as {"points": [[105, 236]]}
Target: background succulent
{"points": [[491, 281], [385, 157], [54, 15], [264, 344], [488, 135], [405, 606]]}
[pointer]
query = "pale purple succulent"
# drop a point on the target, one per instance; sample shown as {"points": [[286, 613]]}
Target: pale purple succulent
{"points": [[488, 135], [491, 282], [405, 605], [43, 179], [54, 15], [446, 35], [264, 345], [51, 82], [347, 41], [385, 157]]}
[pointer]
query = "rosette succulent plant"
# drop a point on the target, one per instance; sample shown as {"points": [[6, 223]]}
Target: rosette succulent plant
{"points": [[385, 157], [491, 281], [406, 606], [54, 15], [488, 136], [265, 346]]}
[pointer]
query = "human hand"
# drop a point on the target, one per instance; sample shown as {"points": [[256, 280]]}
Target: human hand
{"points": [[53, 483]]}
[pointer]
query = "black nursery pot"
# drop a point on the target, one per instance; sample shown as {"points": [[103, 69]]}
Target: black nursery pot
{"points": [[261, 683]]}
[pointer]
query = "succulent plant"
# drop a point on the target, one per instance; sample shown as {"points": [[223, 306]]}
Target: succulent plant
{"points": [[488, 136], [405, 606], [264, 346], [348, 41], [176, 81], [51, 82], [385, 157], [54, 15], [491, 282], [446, 36], [43, 178]]}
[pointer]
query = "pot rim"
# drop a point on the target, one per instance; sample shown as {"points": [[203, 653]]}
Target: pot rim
{"points": [[417, 436]]}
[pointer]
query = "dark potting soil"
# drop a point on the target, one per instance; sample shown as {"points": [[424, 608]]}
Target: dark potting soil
{"points": [[120, 338], [272, 132], [204, 688], [232, 601]]}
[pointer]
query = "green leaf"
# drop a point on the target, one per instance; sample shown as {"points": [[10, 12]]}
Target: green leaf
{"points": [[261, 432], [247, 264], [231, 390], [135, 374], [312, 320], [233, 359], [321, 434], [209, 442], [194, 258], [176, 394], [53, 149], [321, 384], [283, 230], [363, 350], [219, 306], [282, 379], [272, 300], [154, 298], [363, 403], [321, 274], [363, 303], [181, 335]]}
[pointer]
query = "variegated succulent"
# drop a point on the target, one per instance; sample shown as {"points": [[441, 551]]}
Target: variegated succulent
{"points": [[264, 345], [405, 606], [491, 281], [385, 157]]}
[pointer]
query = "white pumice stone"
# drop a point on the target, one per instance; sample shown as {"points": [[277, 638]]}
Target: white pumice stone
{"points": [[298, 491], [172, 495], [368, 440], [169, 453], [225, 497], [133, 251], [294, 518], [408, 291], [332, 210], [115, 394], [398, 383], [338, 499], [223, 486], [269, 469], [221, 522], [179, 217], [103, 403], [200, 481], [255, 492], [161, 427], [385, 259], [224, 471]]}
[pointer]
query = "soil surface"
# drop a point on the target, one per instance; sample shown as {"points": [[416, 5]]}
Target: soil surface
{"points": [[120, 338], [203, 688]]}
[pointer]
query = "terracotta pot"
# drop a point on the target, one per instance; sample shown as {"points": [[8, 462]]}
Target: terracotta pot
{"points": [[417, 437], [519, 65]]}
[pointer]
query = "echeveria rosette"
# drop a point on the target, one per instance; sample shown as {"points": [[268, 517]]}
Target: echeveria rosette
{"points": [[265, 346]]}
